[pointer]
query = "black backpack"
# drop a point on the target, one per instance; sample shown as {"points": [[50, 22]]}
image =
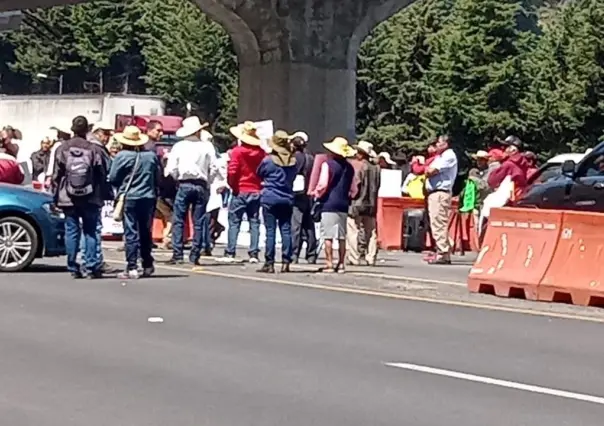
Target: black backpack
{"points": [[79, 168]]}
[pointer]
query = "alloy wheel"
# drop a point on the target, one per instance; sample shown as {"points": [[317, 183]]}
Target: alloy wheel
{"points": [[16, 245]]}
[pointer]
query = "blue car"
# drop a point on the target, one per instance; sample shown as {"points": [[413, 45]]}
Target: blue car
{"points": [[31, 227]]}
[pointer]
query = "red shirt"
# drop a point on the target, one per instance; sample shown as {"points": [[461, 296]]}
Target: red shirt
{"points": [[10, 171], [242, 174]]}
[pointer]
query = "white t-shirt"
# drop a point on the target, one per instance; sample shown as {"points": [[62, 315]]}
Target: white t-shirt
{"points": [[446, 164]]}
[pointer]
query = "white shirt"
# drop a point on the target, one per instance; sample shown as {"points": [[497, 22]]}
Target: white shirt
{"points": [[192, 159], [220, 181], [446, 164]]}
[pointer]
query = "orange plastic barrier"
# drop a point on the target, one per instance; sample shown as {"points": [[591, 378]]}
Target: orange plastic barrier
{"points": [[390, 220], [517, 251], [576, 272]]}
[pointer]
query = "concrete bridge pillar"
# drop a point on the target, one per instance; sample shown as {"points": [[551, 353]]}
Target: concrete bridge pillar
{"points": [[297, 58]]}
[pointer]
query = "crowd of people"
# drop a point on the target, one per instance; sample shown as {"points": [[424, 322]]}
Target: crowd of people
{"points": [[89, 165]]}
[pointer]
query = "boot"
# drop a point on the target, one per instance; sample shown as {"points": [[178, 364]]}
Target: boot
{"points": [[285, 268], [267, 269]]}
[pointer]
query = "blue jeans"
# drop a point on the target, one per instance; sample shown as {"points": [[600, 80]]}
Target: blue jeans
{"points": [[206, 238], [248, 204], [193, 195], [280, 216], [99, 233], [82, 220], [138, 229]]}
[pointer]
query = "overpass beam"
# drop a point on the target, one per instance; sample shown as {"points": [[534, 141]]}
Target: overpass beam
{"points": [[297, 59]]}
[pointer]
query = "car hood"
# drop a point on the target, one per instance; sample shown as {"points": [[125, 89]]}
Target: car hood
{"points": [[25, 194]]}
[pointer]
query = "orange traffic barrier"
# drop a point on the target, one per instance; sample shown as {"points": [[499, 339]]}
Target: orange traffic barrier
{"points": [[390, 220], [576, 272], [517, 250]]}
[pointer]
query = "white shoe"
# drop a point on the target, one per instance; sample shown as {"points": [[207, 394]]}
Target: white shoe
{"points": [[129, 275], [253, 260], [226, 259]]}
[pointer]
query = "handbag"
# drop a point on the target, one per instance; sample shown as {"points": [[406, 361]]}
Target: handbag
{"points": [[118, 208]]}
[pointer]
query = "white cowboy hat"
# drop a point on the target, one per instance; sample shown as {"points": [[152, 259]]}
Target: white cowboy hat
{"points": [[190, 126], [386, 157], [301, 135], [131, 136], [481, 154], [365, 147], [246, 133], [340, 146], [101, 125]]}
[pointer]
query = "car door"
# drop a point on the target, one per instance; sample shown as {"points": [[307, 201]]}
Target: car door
{"points": [[586, 193]]}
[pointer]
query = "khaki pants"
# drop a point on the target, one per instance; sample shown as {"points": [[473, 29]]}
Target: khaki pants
{"points": [[439, 209], [164, 213], [361, 239]]}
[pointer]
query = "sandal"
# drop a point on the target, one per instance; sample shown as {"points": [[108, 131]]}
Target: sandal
{"points": [[327, 270]]}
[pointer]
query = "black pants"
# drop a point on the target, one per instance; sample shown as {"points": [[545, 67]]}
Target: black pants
{"points": [[303, 225]]}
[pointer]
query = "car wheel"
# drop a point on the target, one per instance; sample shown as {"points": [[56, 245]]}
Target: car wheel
{"points": [[18, 244]]}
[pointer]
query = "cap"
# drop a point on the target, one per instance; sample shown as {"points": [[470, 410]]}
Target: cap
{"points": [[512, 141], [101, 125]]}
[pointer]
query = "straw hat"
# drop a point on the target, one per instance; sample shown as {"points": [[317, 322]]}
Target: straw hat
{"points": [[281, 148], [131, 136], [481, 154], [190, 126], [246, 133], [365, 147], [386, 157], [340, 146]]}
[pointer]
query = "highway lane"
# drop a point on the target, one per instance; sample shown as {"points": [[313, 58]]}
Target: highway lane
{"points": [[236, 352]]}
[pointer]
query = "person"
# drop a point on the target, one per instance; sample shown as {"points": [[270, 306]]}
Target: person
{"points": [[441, 175], [362, 214], [514, 165], [531, 158], [135, 173], [100, 135], [302, 222], [211, 227], [9, 141], [278, 172], [334, 191], [192, 162], [245, 185], [10, 170], [114, 148], [41, 158], [78, 185], [155, 131], [413, 185], [57, 136], [385, 161], [164, 208], [476, 187]]}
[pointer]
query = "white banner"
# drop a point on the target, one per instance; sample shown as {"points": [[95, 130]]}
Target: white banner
{"points": [[110, 226]]}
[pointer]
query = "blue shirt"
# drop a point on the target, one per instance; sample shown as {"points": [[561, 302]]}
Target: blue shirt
{"points": [[278, 183], [146, 176]]}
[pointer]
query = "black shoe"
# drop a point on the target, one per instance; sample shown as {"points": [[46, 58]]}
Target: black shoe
{"points": [[267, 269], [206, 253], [439, 261], [285, 268], [175, 262], [77, 275], [154, 246], [98, 274]]}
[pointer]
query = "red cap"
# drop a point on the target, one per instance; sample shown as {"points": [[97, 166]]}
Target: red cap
{"points": [[496, 154]]}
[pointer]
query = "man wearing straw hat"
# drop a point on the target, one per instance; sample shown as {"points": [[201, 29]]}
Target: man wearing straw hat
{"points": [[361, 224], [245, 184], [335, 189], [193, 163]]}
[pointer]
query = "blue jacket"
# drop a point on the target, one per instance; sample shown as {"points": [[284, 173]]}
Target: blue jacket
{"points": [[146, 177], [278, 183], [337, 197]]}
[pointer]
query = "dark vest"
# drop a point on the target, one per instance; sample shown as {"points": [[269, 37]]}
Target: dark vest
{"points": [[341, 174]]}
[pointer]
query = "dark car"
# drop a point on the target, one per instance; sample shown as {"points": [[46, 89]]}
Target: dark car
{"points": [[30, 227], [578, 187]]}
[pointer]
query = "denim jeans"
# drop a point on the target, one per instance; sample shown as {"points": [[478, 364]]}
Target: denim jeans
{"points": [[193, 195], [206, 238], [82, 220], [138, 229], [99, 233], [248, 204], [278, 216]]}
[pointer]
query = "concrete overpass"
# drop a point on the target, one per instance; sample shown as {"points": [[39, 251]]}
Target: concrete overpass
{"points": [[297, 58]]}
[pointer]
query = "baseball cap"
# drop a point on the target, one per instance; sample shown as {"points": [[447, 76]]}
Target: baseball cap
{"points": [[101, 125], [512, 141]]}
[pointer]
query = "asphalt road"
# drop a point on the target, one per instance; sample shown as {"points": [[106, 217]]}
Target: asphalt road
{"points": [[232, 352]]}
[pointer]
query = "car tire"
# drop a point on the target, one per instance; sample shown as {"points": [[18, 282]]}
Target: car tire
{"points": [[18, 244]]}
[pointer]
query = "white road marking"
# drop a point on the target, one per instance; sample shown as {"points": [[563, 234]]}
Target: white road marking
{"points": [[498, 382]]}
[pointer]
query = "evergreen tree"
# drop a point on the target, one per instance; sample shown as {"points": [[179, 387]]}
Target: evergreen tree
{"points": [[475, 79]]}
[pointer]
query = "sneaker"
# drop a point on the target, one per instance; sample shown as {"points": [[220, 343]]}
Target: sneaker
{"points": [[175, 262], [267, 269], [285, 268], [253, 260], [129, 275], [98, 274], [227, 258], [147, 272]]}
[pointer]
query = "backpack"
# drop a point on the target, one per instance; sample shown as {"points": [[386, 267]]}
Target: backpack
{"points": [[79, 172]]}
